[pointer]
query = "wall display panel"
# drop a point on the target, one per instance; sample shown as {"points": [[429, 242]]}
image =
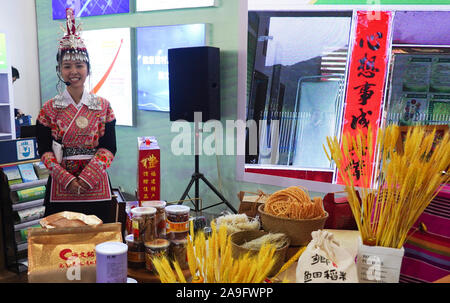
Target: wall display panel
{"points": [[420, 88], [152, 60], [85, 8], [3, 63], [146, 5], [110, 57]]}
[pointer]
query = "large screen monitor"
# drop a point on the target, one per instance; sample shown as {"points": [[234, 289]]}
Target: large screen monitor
{"points": [[110, 57], [84, 8], [152, 61]]}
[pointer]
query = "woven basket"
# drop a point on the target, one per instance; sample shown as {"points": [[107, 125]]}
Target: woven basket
{"points": [[240, 237], [298, 231]]}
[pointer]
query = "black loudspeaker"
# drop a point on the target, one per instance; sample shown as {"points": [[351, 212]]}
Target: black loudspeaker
{"points": [[194, 83]]}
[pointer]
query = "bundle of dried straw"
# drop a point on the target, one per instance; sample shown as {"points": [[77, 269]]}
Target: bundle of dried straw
{"points": [[403, 185], [210, 261]]}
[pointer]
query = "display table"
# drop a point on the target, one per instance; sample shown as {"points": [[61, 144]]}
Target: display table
{"points": [[347, 238]]}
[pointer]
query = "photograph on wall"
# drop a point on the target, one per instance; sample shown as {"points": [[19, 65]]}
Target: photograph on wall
{"points": [[110, 56], [85, 8], [440, 75], [417, 74], [146, 5], [415, 108], [152, 60], [439, 108]]}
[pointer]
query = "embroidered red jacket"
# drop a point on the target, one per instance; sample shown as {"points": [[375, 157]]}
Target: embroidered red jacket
{"points": [[89, 134]]}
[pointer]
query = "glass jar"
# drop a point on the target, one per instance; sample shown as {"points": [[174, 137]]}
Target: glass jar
{"points": [[135, 254], [155, 249], [178, 252], [143, 223], [177, 219], [160, 217]]}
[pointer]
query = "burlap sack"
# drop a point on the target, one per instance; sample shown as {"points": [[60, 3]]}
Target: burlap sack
{"points": [[60, 255]]}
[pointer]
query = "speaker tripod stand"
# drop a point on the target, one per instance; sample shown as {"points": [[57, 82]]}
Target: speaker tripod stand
{"points": [[197, 176]]}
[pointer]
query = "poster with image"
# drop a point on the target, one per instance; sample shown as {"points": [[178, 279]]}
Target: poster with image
{"points": [[440, 107], [84, 8], [153, 43], [110, 57], [417, 74], [440, 75], [415, 108]]}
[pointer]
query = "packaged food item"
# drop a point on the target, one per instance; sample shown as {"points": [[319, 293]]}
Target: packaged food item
{"points": [[177, 222], [155, 249], [69, 219], [111, 262], [69, 255], [178, 252], [160, 217], [143, 223], [136, 253]]}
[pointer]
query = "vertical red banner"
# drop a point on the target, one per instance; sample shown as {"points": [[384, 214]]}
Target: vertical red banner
{"points": [[366, 83], [149, 179]]}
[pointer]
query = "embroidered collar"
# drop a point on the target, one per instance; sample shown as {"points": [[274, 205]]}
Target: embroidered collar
{"points": [[90, 100]]}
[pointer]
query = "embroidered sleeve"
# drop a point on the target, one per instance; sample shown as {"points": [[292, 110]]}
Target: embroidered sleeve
{"points": [[44, 140], [58, 173], [97, 167]]}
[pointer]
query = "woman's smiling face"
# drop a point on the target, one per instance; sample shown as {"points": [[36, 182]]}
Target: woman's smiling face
{"points": [[75, 72]]}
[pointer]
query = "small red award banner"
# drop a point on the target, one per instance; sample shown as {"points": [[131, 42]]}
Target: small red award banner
{"points": [[365, 88], [149, 179]]}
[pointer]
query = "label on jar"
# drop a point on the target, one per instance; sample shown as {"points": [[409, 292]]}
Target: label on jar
{"points": [[177, 227], [135, 229], [137, 257]]}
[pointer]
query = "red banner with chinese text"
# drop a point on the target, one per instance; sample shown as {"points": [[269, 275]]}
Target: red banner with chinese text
{"points": [[149, 179], [366, 82]]}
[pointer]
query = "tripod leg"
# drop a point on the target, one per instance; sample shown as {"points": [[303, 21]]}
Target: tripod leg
{"points": [[218, 194], [186, 192]]}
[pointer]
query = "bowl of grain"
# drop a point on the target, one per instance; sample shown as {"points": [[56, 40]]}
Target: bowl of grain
{"points": [[251, 241]]}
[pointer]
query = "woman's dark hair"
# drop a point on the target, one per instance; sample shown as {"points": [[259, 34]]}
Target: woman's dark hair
{"points": [[15, 72]]}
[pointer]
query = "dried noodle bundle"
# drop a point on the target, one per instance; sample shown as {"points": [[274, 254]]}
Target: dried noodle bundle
{"points": [[294, 203]]}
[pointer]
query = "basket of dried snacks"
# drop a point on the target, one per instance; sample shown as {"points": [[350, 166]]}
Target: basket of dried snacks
{"points": [[251, 241], [291, 211]]}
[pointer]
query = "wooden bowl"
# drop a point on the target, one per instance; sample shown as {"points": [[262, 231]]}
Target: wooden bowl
{"points": [[240, 237], [298, 231]]}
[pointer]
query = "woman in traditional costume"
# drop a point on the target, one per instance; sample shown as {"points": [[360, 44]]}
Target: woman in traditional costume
{"points": [[76, 136]]}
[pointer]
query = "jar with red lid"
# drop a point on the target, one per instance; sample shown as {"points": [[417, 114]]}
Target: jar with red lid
{"points": [[177, 222], [160, 216]]}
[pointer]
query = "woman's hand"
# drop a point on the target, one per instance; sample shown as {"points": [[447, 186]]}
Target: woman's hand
{"points": [[83, 184], [75, 187]]}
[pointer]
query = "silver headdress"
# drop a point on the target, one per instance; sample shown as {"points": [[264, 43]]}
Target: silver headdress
{"points": [[71, 46]]}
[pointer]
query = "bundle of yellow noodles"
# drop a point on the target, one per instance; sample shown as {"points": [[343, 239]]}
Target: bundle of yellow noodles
{"points": [[405, 183], [210, 261]]}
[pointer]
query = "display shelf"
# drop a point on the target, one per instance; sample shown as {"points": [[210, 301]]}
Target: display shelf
{"points": [[26, 185], [29, 204], [22, 246], [14, 248], [26, 224]]}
